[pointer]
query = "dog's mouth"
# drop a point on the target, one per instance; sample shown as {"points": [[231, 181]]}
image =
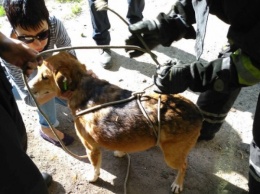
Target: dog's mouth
{"points": [[40, 94]]}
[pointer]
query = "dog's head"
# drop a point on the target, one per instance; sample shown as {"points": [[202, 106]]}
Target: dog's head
{"points": [[57, 74]]}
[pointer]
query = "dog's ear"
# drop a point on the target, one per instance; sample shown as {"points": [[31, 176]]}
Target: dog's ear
{"points": [[65, 82], [62, 82]]}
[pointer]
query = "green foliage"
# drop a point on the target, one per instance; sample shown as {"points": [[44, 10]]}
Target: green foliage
{"points": [[2, 11], [76, 9]]}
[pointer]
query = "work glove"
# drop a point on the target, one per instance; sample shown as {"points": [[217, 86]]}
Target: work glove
{"points": [[148, 30], [173, 77]]}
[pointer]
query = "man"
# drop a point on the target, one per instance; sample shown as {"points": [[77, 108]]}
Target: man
{"points": [[220, 80], [101, 27], [18, 172]]}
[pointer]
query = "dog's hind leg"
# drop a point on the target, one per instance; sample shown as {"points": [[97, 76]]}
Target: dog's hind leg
{"points": [[94, 157], [177, 184], [175, 156]]}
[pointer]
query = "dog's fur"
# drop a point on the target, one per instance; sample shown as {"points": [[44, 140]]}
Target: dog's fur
{"points": [[120, 127]]}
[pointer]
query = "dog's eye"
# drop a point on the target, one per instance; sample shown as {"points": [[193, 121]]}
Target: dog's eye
{"points": [[44, 77]]}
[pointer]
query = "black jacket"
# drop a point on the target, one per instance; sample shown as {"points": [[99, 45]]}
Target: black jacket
{"points": [[243, 16]]}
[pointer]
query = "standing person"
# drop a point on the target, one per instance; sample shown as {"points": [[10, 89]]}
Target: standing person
{"points": [[220, 80], [18, 172], [31, 24], [101, 26]]}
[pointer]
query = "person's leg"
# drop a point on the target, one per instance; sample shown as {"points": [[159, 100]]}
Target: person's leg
{"points": [[100, 24], [254, 167], [49, 109], [135, 11], [61, 102], [214, 107], [101, 35], [18, 173]]}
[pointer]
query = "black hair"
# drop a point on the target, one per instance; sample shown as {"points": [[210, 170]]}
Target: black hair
{"points": [[29, 14]]}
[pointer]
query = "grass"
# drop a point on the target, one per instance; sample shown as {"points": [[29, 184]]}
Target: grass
{"points": [[76, 9], [76, 6], [2, 11]]}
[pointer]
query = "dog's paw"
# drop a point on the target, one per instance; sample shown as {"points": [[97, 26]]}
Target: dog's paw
{"points": [[92, 177], [175, 188], [119, 154]]}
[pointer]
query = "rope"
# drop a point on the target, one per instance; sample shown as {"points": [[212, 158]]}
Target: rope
{"points": [[133, 96], [127, 173], [90, 47]]}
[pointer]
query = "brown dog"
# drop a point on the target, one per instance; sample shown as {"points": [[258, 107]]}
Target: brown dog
{"points": [[122, 126]]}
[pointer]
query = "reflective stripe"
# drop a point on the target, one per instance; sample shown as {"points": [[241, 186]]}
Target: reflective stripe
{"points": [[214, 121], [255, 159], [212, 117], [248, 74], [213, 114], [257, 178]]}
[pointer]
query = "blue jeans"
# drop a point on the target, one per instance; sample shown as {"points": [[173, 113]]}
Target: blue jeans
{"points": [[101, 24], [49, 109]]}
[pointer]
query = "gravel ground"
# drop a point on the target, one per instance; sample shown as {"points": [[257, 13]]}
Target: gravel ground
{"points": [[215, 167]]}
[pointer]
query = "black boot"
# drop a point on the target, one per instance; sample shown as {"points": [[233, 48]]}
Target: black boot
{"points": [[209, 130]]}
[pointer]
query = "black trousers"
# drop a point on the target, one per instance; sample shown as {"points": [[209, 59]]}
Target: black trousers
{"points": [[215, 106], [18, 172]]}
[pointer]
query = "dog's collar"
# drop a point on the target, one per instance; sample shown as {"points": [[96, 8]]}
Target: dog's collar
{"points": [[65, 84]]}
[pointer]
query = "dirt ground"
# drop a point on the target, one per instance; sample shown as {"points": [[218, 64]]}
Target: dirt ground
{"points": [[216, 167]]}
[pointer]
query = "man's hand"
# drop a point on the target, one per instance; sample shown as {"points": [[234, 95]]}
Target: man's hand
{"points": [[149, 32], [172, 78], [19, 54]]}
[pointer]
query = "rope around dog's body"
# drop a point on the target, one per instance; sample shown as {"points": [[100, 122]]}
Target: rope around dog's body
{"points": [[134, 95]]}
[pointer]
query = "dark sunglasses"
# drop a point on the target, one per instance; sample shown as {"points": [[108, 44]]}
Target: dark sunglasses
{"points": [[29, 39]]}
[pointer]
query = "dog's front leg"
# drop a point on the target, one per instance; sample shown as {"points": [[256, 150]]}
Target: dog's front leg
{"points": [[94, 157]]}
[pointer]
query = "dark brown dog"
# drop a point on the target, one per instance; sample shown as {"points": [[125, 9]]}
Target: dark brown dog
{"points": [[121, 127]]}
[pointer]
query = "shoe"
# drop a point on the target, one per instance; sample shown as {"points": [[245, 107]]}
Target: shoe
{"points": [[105, 58], [67, 139], [47, 178]]}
